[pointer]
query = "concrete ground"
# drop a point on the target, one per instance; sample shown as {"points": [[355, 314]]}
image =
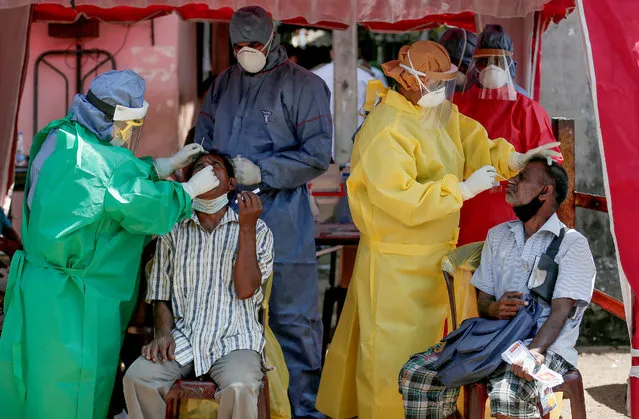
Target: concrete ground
{"points": [[604, 371]]}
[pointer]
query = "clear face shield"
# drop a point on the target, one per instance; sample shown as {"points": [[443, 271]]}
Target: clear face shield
{"points": [[460, 75], [127, 122], [127, 134], [437, 91], [489, 71], [127, 126]]}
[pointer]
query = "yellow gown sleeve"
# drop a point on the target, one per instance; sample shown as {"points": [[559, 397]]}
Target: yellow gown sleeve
{"points": [[480, 150], [390, 171]]}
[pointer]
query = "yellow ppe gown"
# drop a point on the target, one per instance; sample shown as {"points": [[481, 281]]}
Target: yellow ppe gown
{"points": [[404, 196]]}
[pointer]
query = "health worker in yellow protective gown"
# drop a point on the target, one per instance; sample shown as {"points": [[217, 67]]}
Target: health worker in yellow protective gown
{"points": [[415, 161]]}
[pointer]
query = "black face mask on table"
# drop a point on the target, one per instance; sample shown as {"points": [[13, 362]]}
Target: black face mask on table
{"points": [[527, 211]]}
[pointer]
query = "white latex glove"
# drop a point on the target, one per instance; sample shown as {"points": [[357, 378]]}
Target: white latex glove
{"points": [[480, 181], [165, 166], [201, 182], [518, 160], [246, 172]]}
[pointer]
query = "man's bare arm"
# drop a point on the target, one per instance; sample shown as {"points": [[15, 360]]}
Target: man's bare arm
{"points": [[505, 308], [248, 277], [549, 332], [163, 342]]}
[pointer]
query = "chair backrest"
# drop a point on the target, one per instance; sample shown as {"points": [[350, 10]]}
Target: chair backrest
{"points": [[466, 257]]}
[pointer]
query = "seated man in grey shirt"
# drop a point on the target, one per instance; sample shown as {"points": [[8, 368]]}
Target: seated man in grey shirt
{"points": [[509, 259], [205, 285]]}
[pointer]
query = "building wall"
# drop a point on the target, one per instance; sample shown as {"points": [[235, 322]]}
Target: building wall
{"points": [[133, 49]]}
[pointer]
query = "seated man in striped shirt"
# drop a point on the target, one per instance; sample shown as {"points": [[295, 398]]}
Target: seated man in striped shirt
{"points": [[206, 291], [509, 259]]}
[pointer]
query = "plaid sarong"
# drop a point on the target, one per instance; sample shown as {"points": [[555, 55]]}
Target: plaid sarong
{"points": [[426, 397]]}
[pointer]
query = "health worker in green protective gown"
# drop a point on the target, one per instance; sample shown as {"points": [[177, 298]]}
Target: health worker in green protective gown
{"points": [[91, 207]]}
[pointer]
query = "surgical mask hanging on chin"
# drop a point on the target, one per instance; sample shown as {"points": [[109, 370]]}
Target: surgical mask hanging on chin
{"points": [[252, 60], [493, 77], [210, 206], [527, 211]]}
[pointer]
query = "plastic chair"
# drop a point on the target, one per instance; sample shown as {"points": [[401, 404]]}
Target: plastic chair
{"points": [[461, 263], [204, 389], [476, 395], [464, 258]]}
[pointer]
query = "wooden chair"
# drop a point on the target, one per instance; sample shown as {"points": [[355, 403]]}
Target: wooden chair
{"points": [[204, 389]]}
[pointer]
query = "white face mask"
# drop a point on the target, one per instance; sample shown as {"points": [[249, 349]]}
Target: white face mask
{"points": [[210, 206], [493, 77], [433, 99], [253, 60], [429, 99], [460, 79]]}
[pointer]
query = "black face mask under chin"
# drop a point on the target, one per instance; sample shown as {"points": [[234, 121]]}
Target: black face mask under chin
{"points": [[527, 211]]}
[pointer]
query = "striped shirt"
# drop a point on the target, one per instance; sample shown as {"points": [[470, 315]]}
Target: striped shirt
{"points": [[194, 269], [508, 261]]}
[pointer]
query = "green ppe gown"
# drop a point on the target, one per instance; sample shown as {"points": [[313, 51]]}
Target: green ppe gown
{"points": [[72, 291]]}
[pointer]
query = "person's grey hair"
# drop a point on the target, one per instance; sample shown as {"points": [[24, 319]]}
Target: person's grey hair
{"points": [[557, 177]]}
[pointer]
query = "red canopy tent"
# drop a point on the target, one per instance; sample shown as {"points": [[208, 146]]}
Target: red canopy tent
{"points": [[610, 29], [417, 18]]}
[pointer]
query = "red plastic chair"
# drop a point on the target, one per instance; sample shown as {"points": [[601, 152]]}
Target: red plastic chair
{"points": [[205, 390], [572, 387]]}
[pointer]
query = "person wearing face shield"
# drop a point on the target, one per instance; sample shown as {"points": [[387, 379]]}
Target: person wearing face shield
{"points": [[491, 97], [91, 208], [415, 161], [274, 118], [460, 45]]}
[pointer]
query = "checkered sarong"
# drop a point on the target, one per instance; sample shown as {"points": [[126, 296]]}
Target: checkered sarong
{"points": [[426, 397]]}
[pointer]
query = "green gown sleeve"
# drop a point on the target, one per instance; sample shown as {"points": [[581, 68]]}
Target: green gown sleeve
{"points": [[142, 203]]}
